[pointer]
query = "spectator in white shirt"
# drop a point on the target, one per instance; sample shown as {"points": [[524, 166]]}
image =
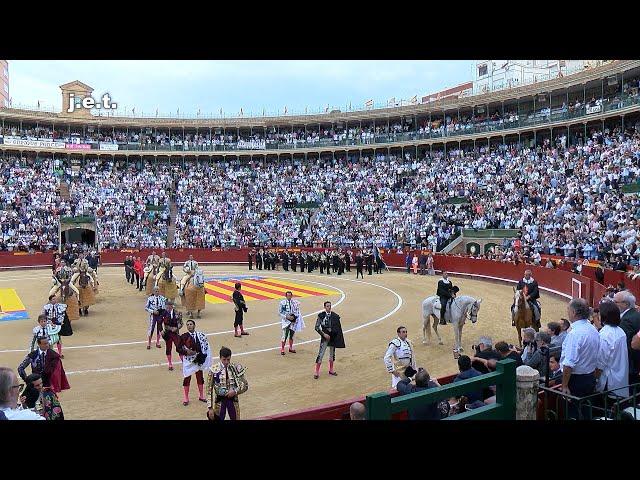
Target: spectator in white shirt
{"points": [[579, 354], [9, 391], [613, 362]]}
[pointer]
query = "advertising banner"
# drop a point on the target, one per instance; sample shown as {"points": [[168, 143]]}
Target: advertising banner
{"points": [[78, 146], [32, 143], [594, 109], [108, 146]]}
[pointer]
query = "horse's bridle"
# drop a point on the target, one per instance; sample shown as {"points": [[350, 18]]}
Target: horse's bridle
{"points": [[474, 312]]}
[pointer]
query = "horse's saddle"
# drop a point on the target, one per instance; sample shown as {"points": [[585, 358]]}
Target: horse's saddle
{"points": [[437, 305]]}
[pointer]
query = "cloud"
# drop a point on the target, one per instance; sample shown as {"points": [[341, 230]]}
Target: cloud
{"points": [[252, 85]]}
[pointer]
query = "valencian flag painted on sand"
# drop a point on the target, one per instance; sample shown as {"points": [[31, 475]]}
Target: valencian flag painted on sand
{"points": [[220, 288]]}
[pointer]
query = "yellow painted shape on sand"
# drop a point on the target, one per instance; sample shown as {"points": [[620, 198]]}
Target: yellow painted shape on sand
{"points": [[10, 301]]}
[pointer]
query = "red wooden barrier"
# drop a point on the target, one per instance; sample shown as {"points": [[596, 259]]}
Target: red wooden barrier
{"points": [[339, 410]]}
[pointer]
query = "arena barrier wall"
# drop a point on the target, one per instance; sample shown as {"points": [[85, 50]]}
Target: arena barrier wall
{"points": [[560, 281]]}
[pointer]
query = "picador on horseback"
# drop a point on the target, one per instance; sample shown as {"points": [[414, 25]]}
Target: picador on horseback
{"points": [[446, 292], [87, 282], [151, 266], [63, 275], [531, 292], [163, 265], [189, 268]]}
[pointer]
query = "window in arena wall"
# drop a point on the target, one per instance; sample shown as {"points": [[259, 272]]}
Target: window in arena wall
{"points": [[482, 70]]}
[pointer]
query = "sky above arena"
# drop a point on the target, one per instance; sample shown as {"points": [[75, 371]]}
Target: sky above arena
{"points": [[185, 87]]}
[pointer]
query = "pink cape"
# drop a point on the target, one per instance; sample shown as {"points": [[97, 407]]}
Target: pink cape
{"points": [[59, 379]]}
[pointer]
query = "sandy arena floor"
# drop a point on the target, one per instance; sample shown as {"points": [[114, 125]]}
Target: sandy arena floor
{"points": [[113, 376]]}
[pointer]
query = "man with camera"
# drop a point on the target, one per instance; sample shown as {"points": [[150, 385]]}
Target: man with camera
{"points": [[484, 355], [508, 351], [240, 307], [399, 356], [155, 305], [422, 381], [290, 319], [539, 353], [196, 358]]}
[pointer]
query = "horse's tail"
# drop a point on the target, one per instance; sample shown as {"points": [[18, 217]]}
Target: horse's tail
{"points": [[427, 310]]}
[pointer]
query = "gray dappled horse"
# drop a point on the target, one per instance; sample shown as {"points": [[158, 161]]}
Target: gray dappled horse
{"points": [[456, 314]]}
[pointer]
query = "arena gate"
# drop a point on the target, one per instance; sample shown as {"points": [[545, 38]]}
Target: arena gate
{"points": [[80, 230]]}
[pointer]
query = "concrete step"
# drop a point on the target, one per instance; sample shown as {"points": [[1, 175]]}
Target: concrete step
{"points": [[64, 190], [173, 211]]}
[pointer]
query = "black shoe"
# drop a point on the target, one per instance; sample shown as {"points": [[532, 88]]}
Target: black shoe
{"points": [[443, 321]]}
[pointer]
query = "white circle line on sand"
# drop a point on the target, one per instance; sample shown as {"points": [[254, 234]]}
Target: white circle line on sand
{"points": [[343, 296], [372, 322]]}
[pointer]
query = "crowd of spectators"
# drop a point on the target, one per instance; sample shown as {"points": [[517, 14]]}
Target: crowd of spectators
{"points": [[131, 207], [29, 206], [563, 199], [592, 353]]}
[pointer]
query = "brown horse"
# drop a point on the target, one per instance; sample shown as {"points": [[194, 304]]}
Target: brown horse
{"points": [[87, 293], [521, 313], [68, 297], [194, 294], [167, 284], [151, 280]]}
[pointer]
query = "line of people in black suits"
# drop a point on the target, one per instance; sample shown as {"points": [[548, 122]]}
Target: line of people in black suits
{"points": [[329, 261]]}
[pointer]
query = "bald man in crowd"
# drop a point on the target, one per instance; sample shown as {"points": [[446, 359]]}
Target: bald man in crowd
{"points": [[357, 411]]}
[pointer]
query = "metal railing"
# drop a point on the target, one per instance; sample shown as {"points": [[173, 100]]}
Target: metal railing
{"points": [[597, 406], [523, 120], [380, 406]]}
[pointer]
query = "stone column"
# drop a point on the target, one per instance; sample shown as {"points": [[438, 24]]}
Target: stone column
{"points": [[527, 380]]}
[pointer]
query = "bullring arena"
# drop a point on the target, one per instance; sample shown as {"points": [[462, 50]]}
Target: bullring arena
{"points": [[113, 376], [492, 180]]}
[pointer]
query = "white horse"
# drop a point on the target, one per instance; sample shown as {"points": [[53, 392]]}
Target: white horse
{"points": [[456, 314]]}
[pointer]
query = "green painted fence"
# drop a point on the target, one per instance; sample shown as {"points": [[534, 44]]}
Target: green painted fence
{"points": [[305, 205], [490, 233], [380, 406], [75, 220], [155, 208], [458, 200], [631, 188]]}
